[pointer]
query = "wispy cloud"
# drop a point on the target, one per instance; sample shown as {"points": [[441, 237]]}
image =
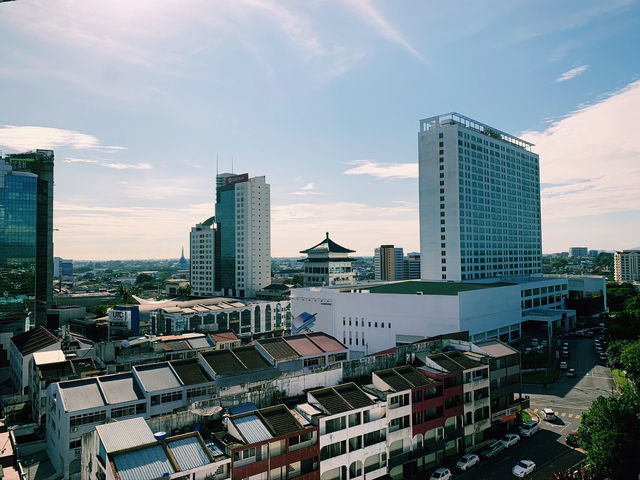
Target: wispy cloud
{"points": [[307, 190], [573, 73], [598, 148], [370, 15], [110, 164], [383, 170], [29, 137]]}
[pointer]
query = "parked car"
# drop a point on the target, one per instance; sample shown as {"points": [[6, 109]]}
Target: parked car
{"points": [[572, 439], [492, 449], [534, 342], [563, 365], [529, 428], [565, 344], [523, 468], [527, 351], [548, 414], [441, 474], [571, 373], [468, 461], [510, 439]]}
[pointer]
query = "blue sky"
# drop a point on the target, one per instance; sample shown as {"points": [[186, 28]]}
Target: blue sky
{"points": [[324, 98]]}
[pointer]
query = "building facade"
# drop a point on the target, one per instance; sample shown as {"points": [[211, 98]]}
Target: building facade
{"points": [[626, 265], [388, 263], [327, 264], [202, 241], [40, 163], [412, 266], [18, 247], [578, 252], [243, 237], [479, 201]]}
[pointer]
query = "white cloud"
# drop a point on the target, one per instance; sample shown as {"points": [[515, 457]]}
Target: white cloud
{"points": [[109, 164], [383, 170], [573, 73], [370, 15], [308, 186], [30, 137], [591, 158]]}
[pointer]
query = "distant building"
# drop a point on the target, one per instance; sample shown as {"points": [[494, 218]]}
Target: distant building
{"points": [[62, 268], [479, 201], [172, 286], [388, 263], [243, 238], [411, 265], [327, 264], [578, 252], [626, 264], [183, 262], [202, 242]]}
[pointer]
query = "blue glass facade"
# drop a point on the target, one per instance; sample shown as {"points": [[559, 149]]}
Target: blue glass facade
{"points": [[18, 240]]}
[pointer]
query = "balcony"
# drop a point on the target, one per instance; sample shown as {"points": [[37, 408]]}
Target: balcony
{"points": [[399, 459], [429, 446]]}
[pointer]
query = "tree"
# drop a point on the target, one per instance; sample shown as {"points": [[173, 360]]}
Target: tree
{"points": [[610, 433], [184, 292], [618, 294], [613, 354], [581, 474], [123, 294], [630, 361]]}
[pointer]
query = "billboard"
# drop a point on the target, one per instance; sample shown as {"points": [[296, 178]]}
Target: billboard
{"points": [[303, 322], [236, 179]]}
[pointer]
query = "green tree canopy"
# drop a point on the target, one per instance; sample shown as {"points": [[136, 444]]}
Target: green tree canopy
{"points": [[610, 433]]}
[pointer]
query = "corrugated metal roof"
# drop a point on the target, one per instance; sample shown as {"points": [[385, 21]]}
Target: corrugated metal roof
{"points": [[81, 395], [303, 345], [252, 429], [326, 342], [129, 433], [145, 464], [243, 408], [158, 376], [120, 388], [189, 453], [202, 342]]}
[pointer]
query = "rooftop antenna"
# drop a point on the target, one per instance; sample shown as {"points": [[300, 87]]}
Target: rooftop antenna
{"points": [[216, 164], [231, 163]]}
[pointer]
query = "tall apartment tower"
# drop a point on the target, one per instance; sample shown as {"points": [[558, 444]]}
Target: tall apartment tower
{"points": [[626, 266], [202, 241], [479, 201], [40, 163], [388, 263], [243, 235]]}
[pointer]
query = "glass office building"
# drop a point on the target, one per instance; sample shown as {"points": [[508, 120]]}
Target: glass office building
{"points": [[18, 240]]}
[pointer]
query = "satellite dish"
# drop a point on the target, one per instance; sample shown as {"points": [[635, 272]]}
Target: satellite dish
{"points": [[126, 344]]}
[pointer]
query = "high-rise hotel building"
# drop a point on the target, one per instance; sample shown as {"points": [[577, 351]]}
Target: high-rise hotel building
{"points": [[479, 201], [202, 240], [243, 235]]}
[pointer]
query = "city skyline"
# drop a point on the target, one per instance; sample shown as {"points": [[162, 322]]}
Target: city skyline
{"points": [[322, 99]]}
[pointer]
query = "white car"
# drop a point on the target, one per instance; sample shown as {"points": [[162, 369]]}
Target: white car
{"points": [[563, 365], [529, 428], [468, 461], [510, 439], [548, 414], [523, 468], [534, 342], [441, 474]]}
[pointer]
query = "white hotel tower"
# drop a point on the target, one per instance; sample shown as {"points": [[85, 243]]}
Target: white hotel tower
{"points": [[479, 201]]}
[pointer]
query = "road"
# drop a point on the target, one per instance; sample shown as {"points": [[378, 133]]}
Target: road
{"points": [[569, 397]]}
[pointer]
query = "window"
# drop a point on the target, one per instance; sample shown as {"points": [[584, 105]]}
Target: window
{"points": [[355, 419], [75, 444], [86, 418], [123, 411], [335, 424]]}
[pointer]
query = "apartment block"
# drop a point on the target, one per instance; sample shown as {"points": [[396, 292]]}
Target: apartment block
{"points": [[626, 266]]}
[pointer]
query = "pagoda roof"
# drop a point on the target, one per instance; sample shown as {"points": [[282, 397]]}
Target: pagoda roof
{"points": [[328, 245]]}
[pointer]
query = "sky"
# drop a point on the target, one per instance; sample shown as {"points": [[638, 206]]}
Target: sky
{"points": [[323, 97]]}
